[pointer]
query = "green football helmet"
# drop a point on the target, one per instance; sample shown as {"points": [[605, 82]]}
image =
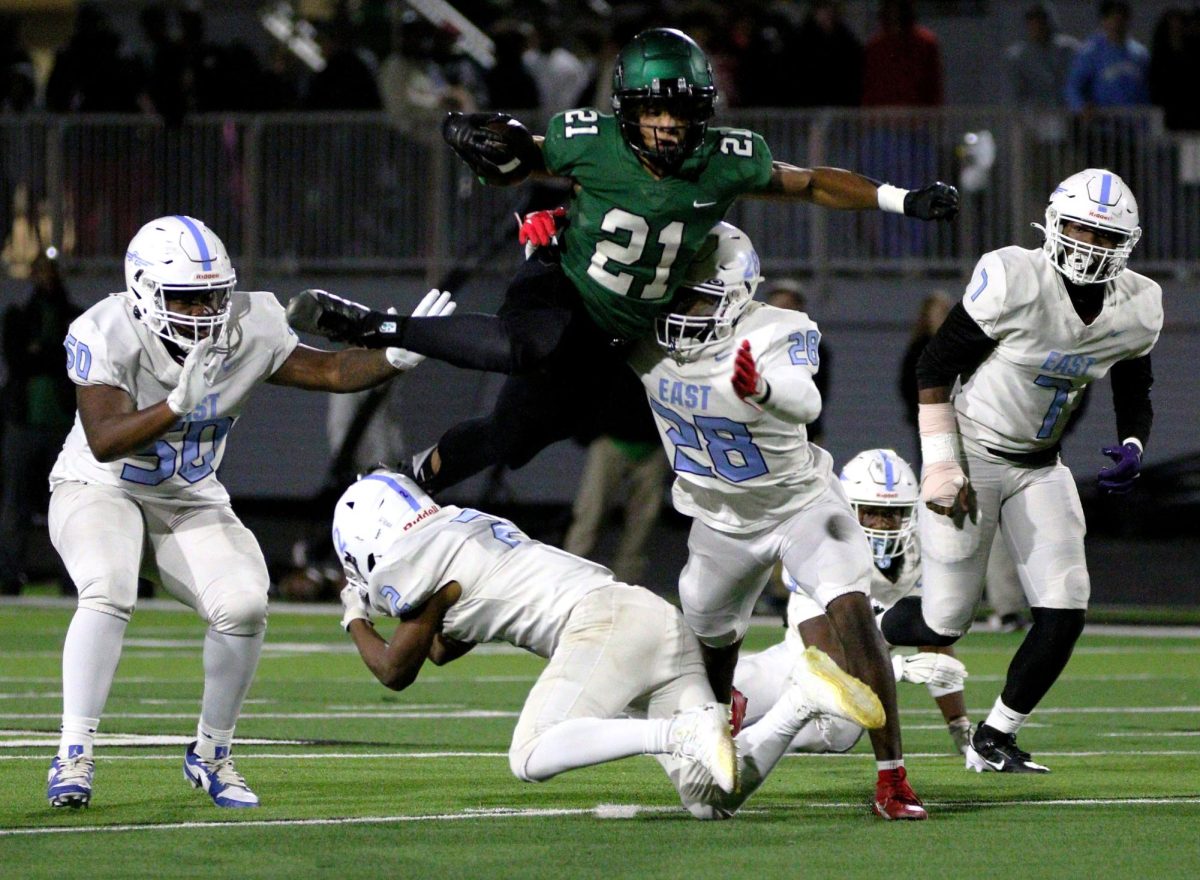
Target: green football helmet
{"points": [[664, 69]]}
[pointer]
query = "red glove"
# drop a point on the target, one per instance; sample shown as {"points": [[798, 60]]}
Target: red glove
{"points": [[539, 228], [747, 380]]}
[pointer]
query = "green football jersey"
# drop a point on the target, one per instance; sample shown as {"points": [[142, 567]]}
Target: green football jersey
{"points": [[632, 236]]}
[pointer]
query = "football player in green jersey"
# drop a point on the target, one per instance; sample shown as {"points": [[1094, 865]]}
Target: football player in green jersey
{"points": [[649, 182]]}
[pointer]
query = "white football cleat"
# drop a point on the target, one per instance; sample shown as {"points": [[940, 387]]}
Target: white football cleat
{"points": [[218, 777], [818, 686], [702, 734], [69, 783]]}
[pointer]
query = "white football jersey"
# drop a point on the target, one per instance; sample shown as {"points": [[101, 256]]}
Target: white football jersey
{"points": [[738, 469], [883, 591], [107, 345], [1021, 397], [514, 589]]}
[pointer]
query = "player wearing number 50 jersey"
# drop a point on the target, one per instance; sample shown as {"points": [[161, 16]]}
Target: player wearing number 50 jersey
{"points": [[757, 490], [1034, 328], [163, 370], [648, 184]]}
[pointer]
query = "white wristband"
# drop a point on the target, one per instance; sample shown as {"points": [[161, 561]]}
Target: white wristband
{"points": [[891, 198]]}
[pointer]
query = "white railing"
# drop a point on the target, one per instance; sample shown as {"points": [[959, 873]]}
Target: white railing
{"points": [[352, 192]]}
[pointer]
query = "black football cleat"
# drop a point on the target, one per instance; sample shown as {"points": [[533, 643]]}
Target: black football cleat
{"points": [[994, 751]]}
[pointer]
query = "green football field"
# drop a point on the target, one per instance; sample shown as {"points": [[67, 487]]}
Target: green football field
{"points": [[357, 780]]}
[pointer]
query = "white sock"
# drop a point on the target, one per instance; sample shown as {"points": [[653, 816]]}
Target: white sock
{"points": [[229, 665], [78, 736], [889, 765], [90, 654], [761, 745], [1004, 719], [212, 744], [583, 742]]}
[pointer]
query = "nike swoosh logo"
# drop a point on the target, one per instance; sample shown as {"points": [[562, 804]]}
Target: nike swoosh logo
{"points": [[696, 204]]}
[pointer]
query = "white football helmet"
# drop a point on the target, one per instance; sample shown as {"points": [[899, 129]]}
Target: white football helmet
{"points": [[1099, 199], [380, 507], [880, 478], [179, 258], [715, 291]]}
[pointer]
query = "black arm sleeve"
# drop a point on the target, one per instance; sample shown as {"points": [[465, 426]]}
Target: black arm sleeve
{"points": [[956, 349], [1131, 382]]}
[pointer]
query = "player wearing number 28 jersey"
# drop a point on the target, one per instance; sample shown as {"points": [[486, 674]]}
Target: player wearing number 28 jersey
{"points": [[730, 382], [163, 371]]}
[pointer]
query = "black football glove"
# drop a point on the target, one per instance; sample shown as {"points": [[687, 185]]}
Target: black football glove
{"points": [[938, 201], [323, 314], [497, 147]]}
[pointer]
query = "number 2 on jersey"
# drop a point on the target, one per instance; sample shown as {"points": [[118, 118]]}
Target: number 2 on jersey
{"points": [[728, 445]]}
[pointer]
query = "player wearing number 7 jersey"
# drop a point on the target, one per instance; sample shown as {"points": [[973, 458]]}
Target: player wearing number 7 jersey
{"points": [[730, 383], [998, 384], [163, 370], [648, 184]]}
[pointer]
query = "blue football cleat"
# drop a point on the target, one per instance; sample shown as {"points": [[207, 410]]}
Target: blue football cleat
{"points": [[218, 777], [70, 780]]}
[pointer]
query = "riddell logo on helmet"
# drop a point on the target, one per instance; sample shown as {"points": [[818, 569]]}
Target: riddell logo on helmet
{"points": [[424, 514], [206, 276]]}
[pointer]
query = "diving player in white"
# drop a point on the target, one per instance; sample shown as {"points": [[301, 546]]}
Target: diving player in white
{"points": [[457, 577], [163, 371], [883, 492], [1034, 328], [757, 490]]}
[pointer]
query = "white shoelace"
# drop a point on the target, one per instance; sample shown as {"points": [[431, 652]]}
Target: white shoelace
{"points": [[78, 769], [225, 772]]}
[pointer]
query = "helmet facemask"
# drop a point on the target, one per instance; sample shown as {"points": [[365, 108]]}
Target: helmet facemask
{"points": [[1084, 263], [894, 540], [184, 329], [666, 147]]}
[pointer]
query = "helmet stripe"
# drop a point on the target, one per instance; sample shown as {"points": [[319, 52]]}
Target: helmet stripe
{"points": [[392, 484], [1105, 192], [889, 475], [205, 256]]}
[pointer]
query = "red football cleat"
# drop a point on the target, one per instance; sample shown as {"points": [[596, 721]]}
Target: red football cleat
{"points": [[894, 797], [737, 710]]}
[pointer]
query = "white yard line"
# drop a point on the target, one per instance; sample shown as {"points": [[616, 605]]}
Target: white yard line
{"points": [[600, 811]]}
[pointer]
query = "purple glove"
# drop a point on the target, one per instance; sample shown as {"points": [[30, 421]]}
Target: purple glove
{"points": [[1118, 479]]}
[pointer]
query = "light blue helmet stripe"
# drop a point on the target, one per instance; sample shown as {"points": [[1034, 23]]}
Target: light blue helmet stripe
{"points": [[1105, 192], [392, 484], [889, 474], [205, 256]]}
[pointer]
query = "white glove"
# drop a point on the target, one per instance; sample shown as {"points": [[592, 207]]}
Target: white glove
{"points": [[435, 304], [194, 378], [354, 605], [936, 670]]}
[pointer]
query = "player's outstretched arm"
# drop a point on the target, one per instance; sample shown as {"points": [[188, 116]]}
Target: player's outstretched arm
{"points": [[850, 191], [495, 146], [397, 661]]}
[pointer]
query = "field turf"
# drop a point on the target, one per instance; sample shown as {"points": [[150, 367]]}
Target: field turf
{"points": [[358, 781]]}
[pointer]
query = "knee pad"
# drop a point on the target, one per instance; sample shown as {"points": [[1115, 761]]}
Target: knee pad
{"points": [[241, 613]]}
